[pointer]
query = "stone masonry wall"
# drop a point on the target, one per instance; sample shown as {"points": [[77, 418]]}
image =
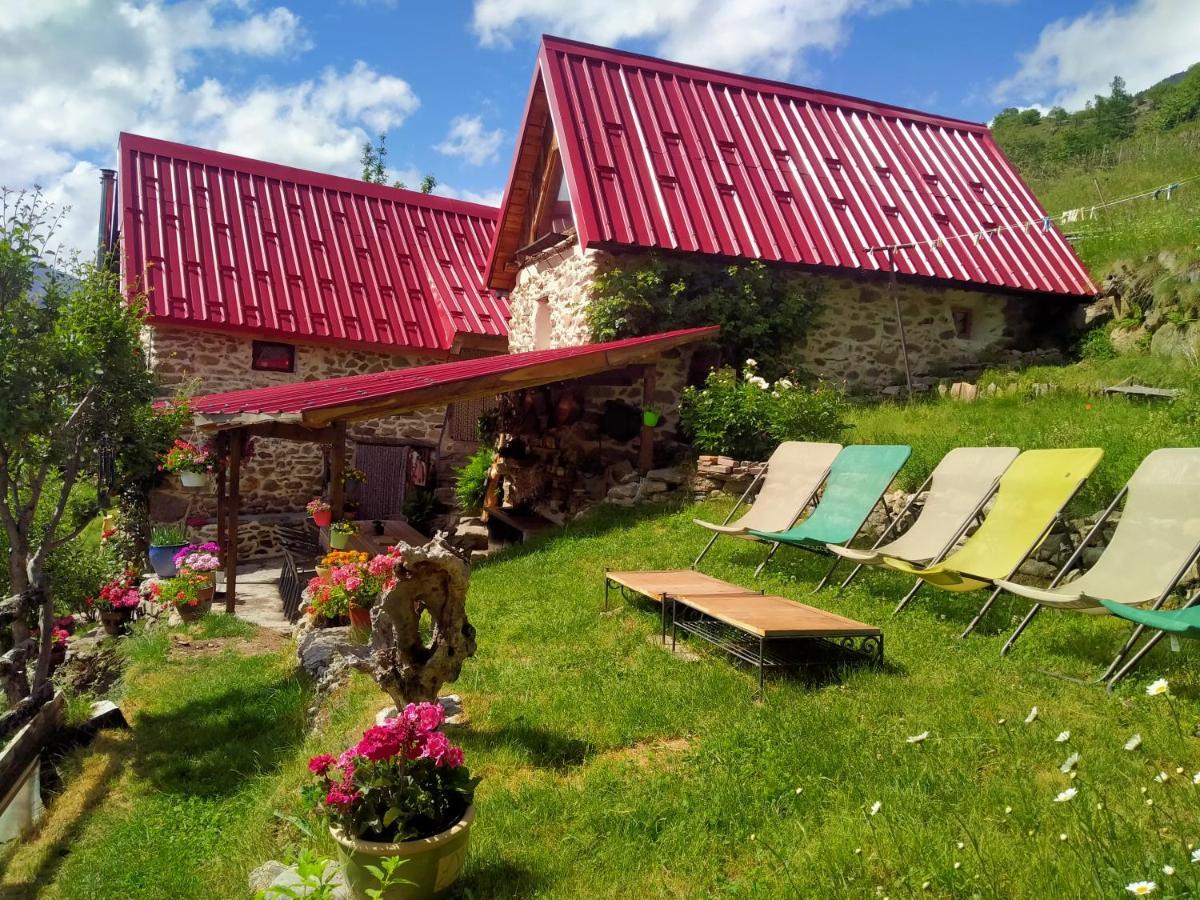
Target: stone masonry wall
{"points": [[280, 476], [855, 339]]}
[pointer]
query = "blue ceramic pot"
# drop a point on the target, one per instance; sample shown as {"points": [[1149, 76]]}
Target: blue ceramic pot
{"points": [[162, 559]]}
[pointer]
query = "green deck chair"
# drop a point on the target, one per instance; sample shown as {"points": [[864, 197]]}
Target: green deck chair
{"points": [[1155, 542], [1032, 495], [856, 482], [1182, 622]]}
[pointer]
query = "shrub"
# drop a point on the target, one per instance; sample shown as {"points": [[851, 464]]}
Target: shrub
{"points": [[1097, 344], [470, 481], [762, 312], [746, 418]]}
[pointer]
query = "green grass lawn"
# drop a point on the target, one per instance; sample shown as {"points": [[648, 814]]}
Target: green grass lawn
{"points": [[612, 768]]}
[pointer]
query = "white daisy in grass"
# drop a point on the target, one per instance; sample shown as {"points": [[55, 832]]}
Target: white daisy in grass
{"points": [[1063, 737], [1134, 742], [917, 738], [1196, 778], [1071, 762], [1068, 794], [1033, 714], [876, 807], [1141, 888], [1168, 870], [1196, 855], [1154, 688], [1161, 777]]}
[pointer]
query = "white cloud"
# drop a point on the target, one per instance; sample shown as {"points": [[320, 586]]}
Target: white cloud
{"points": [[469, 139], [1075, 59], [490, 197], [770, 37], [76, 72]]}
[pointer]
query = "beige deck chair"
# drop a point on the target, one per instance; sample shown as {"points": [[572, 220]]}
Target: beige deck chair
{"points": [[790, 481], [1155, 542], [959, 487]]}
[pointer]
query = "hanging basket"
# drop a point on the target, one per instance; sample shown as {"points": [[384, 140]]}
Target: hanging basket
{"points": [[650, 418], [193, 480], [322, 518]]}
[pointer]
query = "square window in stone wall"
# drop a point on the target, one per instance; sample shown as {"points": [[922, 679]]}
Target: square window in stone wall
{"points": [[962, 322], [268, 356]]}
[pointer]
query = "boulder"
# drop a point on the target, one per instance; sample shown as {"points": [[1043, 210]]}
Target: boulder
{"points": [[671, 476]]}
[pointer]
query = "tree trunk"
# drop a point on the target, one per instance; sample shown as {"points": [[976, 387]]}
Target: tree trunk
{"points": [[433, 580]]}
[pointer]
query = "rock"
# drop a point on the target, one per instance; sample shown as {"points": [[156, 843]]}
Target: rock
{"points": [[619, 470], [650, 486], [964, 391], [451, 704], [630, 478], [106, 714], [1095, 314], [1127, 340], [622, 492], [289, 884], [673, 476], [471, 534], [1037, 569], [261, 878]]}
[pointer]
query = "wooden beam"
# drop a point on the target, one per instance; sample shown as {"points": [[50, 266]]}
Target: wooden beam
{"points": [[337, 471], [222, 481], [287, 431], [646, 441], [234, 512]]}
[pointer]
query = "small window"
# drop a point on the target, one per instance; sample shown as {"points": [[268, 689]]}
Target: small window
{"points": [[962, 322], [543, 325], [266, 356]]}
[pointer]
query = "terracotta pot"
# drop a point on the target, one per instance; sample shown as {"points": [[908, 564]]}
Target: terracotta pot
{"points": [[200, 610], [360, 617], [193, 480], [431, 864], [324, 571], [323, 518], [115, 621]]}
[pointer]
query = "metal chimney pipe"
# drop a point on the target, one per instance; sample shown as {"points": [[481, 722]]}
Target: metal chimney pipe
{"points": [[108, 204]]}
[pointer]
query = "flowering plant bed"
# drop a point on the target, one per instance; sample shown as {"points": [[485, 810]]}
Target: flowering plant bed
{"points": [[185, 456], [336, 558], [191, 593], [119, 594], [353, 584], [199, 557], [320, 510], [402, 781]]}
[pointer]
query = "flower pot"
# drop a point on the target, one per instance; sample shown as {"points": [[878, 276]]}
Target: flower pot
{"points": [[162, 559], [339, 540], [193, 480], [432, 864], [360, 617], [115, 621], [200, 610], [323, 572], [650, 418], [323, 518]]}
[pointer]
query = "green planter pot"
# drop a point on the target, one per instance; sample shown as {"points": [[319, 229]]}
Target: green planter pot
{"points": [[650, 418], [339, 540], [432, 864]]}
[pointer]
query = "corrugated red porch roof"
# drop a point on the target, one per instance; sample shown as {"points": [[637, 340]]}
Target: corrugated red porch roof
{"points": [[404, 390], [660, 155], [233, 244]]}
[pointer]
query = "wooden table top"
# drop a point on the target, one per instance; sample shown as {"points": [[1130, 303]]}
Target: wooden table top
{"points": [[774, 617], [676, 582]]}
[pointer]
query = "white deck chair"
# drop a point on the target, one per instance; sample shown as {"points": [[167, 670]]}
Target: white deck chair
{"points": [[1155, 543], [959, 487], [791, 479]]}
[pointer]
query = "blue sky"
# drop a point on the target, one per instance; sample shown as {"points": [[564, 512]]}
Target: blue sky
{"points": [[305, 81]]}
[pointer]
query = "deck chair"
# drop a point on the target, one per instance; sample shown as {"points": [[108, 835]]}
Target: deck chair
{"points": [[1031, 496], [959, 487], [856, 482], [1183, 622], [791, 479], [1155, 542]]}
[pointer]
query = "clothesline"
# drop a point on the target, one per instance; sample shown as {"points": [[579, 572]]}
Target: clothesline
{"points": [[1042, 224]]}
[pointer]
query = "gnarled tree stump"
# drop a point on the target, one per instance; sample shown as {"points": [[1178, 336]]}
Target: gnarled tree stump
{"points": [[431, 579]]}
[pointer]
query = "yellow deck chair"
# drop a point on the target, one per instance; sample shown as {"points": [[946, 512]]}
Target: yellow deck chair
{"points": [[1031, 496]]}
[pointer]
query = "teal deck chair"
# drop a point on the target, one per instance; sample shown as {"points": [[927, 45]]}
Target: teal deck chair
{"points": [[855, 485], [1183, 622]]}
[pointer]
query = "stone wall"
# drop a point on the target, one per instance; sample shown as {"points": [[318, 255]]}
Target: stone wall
{"points": [[855, 339], [278, 477]]}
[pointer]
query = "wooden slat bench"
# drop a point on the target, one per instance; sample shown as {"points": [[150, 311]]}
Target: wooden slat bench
{"points": [[774, 632], [657, 586]]}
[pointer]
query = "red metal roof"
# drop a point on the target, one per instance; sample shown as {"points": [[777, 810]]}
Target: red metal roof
{"points": [[235, 244], [403, 390], [669, 156]]}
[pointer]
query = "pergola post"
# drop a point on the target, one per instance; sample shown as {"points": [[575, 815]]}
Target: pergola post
{"points": [[233, 512], [337, 471], [646, 441]]}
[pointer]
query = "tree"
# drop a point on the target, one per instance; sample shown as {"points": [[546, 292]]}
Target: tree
{"points": [[73, 377], [1114, 114], [374, 166]]}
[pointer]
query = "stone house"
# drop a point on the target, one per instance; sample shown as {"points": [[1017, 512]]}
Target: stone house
{"points": [[258, 274], [620, 156]]}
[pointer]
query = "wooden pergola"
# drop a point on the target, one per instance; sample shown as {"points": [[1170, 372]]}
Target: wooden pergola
{"points": [[319, 411]]}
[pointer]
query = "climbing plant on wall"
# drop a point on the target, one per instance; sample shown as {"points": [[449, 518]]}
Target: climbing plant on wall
{"points": [[762, 312]]}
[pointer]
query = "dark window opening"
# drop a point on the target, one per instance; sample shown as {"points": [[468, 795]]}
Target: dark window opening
{"points": [[962, 322], [267, 356]]}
